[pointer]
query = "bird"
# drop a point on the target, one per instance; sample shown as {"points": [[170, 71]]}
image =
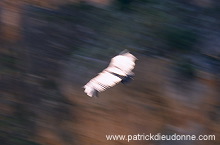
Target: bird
{"points": [[119, 70]]}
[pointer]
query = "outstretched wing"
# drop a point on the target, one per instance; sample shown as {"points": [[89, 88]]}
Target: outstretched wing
{"points": [[119, 67], [101, 82]]}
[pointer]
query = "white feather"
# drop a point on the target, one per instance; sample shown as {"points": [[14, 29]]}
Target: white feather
{"points": [[120, 64]]}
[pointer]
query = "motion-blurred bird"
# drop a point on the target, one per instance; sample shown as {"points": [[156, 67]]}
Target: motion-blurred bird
{"points": [[119, 70]]}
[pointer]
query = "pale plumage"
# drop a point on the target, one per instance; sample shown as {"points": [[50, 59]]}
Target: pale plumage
{"points": [[120, 67]]}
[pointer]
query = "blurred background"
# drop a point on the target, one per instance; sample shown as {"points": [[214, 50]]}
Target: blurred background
{"points": [[50, 48]]}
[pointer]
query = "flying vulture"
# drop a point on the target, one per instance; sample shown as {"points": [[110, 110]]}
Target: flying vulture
{"points": [[119, 70]]}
